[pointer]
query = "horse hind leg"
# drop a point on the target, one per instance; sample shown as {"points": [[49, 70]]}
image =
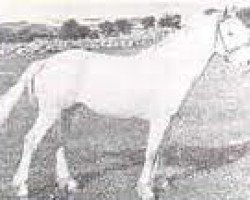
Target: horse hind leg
{"points": [[47, 116], [64, 179]]}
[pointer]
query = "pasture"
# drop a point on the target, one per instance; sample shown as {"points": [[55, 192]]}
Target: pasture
{"points": [[106, 155]]}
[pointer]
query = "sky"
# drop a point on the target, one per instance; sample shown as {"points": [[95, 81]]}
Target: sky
{"points": [[47, 10]]}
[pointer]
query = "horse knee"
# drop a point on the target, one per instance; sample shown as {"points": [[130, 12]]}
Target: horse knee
{"points": [[151, 156], [30, 142]]}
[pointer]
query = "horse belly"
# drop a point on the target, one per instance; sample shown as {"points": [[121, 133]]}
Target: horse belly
{"points": [[118, 94], [142, 89], [118, 103]]}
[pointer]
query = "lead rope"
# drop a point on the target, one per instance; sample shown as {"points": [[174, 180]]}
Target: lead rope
{"points": [[222, 39]]}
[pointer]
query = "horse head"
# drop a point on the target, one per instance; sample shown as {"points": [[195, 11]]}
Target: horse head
{"points": [[230, 33]]}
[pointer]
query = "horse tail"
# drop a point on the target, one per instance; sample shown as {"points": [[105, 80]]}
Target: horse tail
{"points": [[35, 68], [11, 97]]}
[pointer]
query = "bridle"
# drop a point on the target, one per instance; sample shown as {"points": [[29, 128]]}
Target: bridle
{"points": [[219, 36]]}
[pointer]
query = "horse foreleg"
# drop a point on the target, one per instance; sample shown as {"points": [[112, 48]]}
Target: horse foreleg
{"points": [[156, 133], [64, 178], [31, 140]]}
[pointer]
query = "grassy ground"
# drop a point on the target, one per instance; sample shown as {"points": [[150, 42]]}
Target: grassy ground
{"points": [[106, 155]]}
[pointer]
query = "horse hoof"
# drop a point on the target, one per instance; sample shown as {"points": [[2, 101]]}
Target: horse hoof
{"points": [[72, 185], [22, 191], [20, 187], [68, 184], [145, 192], [16, 181]]}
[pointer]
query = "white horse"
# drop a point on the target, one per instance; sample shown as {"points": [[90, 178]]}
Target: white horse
{"points": [[150, 85]]}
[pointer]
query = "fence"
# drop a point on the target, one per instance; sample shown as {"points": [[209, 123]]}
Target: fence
{"points": [[40, 46]]}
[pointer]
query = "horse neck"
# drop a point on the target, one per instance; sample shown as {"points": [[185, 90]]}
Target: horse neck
{"points": [[186, 53], [198, 32]]}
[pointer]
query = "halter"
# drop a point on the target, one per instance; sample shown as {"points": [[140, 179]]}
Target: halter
{"points": [[219, 35]]}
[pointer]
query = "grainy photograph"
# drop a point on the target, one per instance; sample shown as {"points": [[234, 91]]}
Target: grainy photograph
{"points": [[125, 100]]}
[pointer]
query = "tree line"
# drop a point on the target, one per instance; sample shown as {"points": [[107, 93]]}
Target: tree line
{"points": [[71, 29]]}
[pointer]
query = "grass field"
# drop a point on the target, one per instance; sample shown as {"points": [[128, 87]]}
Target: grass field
{"points": [[106, 155]]}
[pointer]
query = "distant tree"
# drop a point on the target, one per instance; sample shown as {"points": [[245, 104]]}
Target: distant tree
{"points": [[24, 31], [124, 26], [43, 34], [2, 36], [177, 21], [24, 35], [94, 34], [12, 37], [165, 21], [148, 22], [244, 15], [84, 31], [173, 21], [6, 35], [107, 28], [70, 29]]}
